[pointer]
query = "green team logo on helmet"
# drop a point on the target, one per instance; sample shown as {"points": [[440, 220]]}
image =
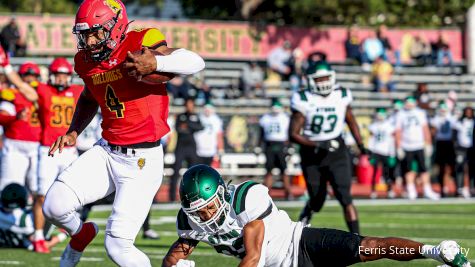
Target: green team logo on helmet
{"points": [[321, 78], [203, 188]]}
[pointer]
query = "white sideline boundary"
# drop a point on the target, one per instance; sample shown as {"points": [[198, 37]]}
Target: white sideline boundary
{"points": [[330, 203]]}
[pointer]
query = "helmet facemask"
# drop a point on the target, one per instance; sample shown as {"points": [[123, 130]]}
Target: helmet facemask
{"points": [[322, 82], [106, 44], [216, 203], [60, 86]]}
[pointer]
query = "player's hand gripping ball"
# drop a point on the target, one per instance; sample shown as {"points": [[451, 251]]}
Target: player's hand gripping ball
{"points": [[142, 65]]}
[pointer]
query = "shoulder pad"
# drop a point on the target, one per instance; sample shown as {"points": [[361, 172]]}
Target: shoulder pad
{"points": [[344, 91], [182, 221], [239, 198], [153, 38], [7, 94]]}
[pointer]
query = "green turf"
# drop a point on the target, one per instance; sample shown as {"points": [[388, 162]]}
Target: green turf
{"points": [[425, 223]]}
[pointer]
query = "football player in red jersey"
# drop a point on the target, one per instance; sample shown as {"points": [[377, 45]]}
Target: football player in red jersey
{"points": [[57, 101], [19, 119], [129, 158], [14, 78]]}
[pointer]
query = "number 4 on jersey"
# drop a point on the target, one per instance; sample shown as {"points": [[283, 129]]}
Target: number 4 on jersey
{"points": [[113, 102]]}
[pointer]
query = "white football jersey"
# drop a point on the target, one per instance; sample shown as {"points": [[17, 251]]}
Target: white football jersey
{"points": [[207, 139], [464, 132], [444, 126], [324, 116], [15, 228], [276, 126], [250, 201], [382, 137], [91, 134], [411, 123]]}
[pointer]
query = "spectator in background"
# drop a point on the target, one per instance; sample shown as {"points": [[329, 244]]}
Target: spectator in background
{"points": [[353, 46], [443, 125], [202, 91], [420, 50], [372, 47], [382, 75], [464, 129], [422, 96], [179, 88], [252, 79], [381, 35], [443, 50], [209, 141], [11, 40], [280, 60], [187, 124]]}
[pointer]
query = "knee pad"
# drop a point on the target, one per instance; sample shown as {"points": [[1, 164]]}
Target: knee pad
{"points": [[123, 252], [59, 202]]}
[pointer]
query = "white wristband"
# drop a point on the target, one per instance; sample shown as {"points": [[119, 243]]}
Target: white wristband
{"points": [[7, 69]]}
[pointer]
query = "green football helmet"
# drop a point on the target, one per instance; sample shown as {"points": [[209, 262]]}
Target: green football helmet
{"points": [[201, 187], [316, 74], [14, 196]]}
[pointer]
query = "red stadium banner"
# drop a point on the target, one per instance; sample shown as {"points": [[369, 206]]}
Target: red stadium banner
{"points": [[51, 35]]}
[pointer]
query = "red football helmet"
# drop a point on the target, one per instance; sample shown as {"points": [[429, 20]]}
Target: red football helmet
{"points": [[60, 65], [108, 16], [29, 68]]}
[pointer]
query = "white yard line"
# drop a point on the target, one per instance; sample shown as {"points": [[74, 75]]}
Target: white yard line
{"points": [[11, 263]]}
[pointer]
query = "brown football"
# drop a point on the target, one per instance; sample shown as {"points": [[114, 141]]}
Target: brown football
{"points": [[156, 77]]}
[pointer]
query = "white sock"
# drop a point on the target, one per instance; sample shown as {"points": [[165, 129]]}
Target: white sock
{"points": [[39, 235], [431, 252]]}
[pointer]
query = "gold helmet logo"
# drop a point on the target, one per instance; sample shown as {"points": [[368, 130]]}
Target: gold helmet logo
{"points": [[114, 5], [141, 162]]}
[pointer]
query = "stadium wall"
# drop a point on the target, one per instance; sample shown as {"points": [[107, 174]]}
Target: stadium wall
{"points": [[51, 35]]}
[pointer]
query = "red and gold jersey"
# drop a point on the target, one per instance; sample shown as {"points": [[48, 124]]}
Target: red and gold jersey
{"points": [[13, 103], [56, 110], [133, 112]]}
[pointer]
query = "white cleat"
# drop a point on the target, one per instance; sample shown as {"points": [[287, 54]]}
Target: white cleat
{"points": [[452, 255], [70, 257], [428, 193], [411, 191]]}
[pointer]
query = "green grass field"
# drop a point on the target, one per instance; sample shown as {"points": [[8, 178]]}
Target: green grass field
{"points": [[425, 223]]}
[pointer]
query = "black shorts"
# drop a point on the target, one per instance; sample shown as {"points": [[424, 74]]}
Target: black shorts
{"points": [[415, 161], [328, 247], [444, 153], [378, 158], [322, 166], [275, 156]]}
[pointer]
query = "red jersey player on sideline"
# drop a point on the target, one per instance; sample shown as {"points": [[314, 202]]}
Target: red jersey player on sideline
{"points": [[13, 77], [19, 119], [129, 158], [57, 101]]}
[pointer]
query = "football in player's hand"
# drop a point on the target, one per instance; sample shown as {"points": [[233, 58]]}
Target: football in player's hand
{"points": [[155, 77]]}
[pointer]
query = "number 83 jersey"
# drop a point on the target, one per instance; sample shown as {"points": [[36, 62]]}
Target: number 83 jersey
{"points": [[324, 115]]}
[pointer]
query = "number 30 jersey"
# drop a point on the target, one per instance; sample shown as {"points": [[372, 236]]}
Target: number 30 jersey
{"points": [[56, 110], [250, 201], [324, 115], [132, 111]]}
